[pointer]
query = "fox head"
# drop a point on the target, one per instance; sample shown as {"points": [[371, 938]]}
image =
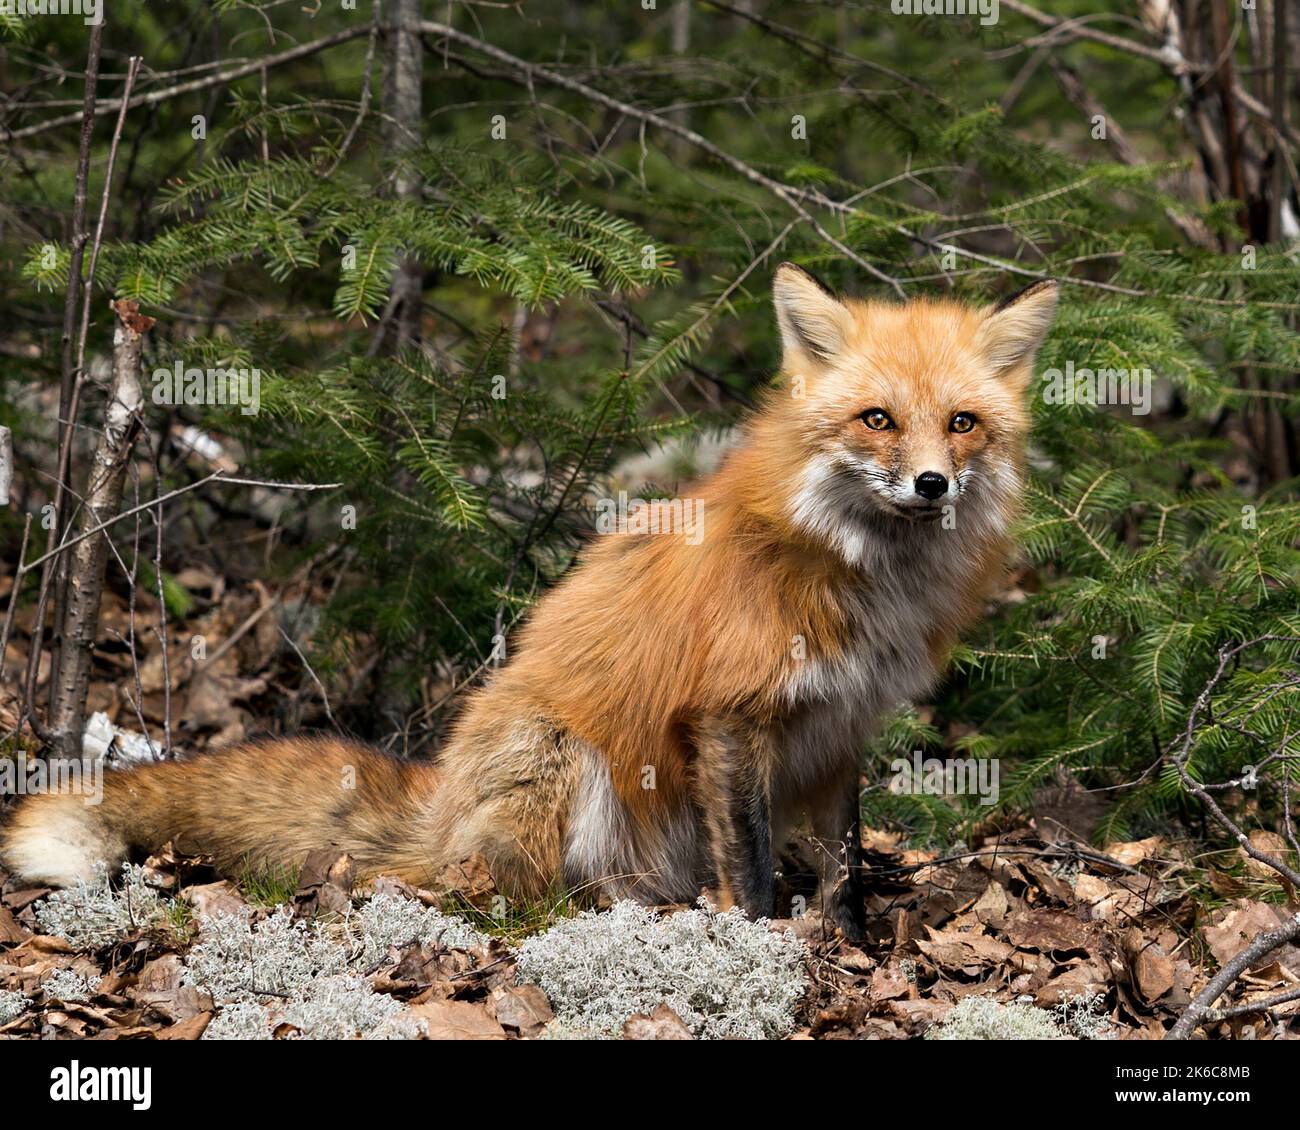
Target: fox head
{"points": [[900, 414]]}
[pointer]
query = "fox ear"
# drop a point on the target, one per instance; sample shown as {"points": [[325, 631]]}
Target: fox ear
{"points": [[813, 321], [1014, 329]]}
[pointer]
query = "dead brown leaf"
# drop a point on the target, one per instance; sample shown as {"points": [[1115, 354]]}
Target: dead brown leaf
{"points": [[325, 884], [470, 879], [890, 982], [170, 868], [993, 906], [1045, 876], [457, 1020], [1050, 931], [1134, 852], [1081, 980], [661, 1023], [1152, 967], [522, 1007], [953, 950], [190, 1029], [11, 931], [220, 897], [1237, 927], [1268, 844]]}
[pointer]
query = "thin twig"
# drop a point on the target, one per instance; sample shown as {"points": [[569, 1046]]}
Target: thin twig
{"points": [[216, 476], [325, 698], [153, 98], [13, 596]]}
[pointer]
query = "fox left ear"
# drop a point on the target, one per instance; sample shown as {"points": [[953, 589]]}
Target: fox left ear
{"points": [[1014, 329]]}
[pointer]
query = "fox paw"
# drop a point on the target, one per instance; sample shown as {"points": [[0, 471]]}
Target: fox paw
{"points": [[847, 913]]}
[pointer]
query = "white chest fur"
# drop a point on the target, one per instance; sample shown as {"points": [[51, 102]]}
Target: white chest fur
{"points": [[911, 578]]}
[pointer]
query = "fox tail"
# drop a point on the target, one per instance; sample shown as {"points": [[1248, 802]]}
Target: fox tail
{"points": [[268, 803]]}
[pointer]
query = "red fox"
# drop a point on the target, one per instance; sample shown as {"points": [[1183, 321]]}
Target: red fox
{"points": [[674, 704]]}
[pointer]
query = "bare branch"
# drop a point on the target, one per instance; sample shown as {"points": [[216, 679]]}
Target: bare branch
{"points": [[154, 97], [787, 193], [1262, 945]]}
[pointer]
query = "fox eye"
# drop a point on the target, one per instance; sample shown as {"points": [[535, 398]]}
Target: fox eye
{"points": [[962, 422], [877, 419]]}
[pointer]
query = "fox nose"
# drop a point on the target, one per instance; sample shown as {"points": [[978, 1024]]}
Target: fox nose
{"points": [[931, 485]]}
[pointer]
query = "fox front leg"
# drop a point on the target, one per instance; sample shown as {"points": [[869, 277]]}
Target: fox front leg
{"points": [[751, 817], [837, 840], [734, 804]]}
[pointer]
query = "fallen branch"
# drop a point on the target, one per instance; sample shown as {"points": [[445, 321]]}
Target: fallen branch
{"points": [[1265, 1004], [1261, 946], [1263, 943]]}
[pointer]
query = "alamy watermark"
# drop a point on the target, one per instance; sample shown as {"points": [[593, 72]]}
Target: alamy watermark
{"points": [[90, 11], [987, 10], [241, 388], [1095, 387], [90, 1083], [949, 776], [72, 776], [681, 516]]}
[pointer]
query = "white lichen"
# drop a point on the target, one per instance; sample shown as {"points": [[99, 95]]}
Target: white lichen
{"points": [[344, 1007], [725, 976], [237, 959], [243, 1020], [389, 920], [69, 985], [277, 971], [982, 1018], [91, 913], [12, 1005], [1085, 1017]]}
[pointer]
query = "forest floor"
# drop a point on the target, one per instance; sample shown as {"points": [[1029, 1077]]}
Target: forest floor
{"points": [[1076, 940], [1109, 945]]}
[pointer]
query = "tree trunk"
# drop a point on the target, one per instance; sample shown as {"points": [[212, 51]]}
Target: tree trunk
{"points": [[88, 559], [402, 101], [401, 325]]}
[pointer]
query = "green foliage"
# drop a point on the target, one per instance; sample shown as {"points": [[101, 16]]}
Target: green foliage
{"points": [[593, 288], [268, 887]]}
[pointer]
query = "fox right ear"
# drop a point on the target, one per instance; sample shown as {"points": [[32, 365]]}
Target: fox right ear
{"points": [[813, 321], [1013, 330]]}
